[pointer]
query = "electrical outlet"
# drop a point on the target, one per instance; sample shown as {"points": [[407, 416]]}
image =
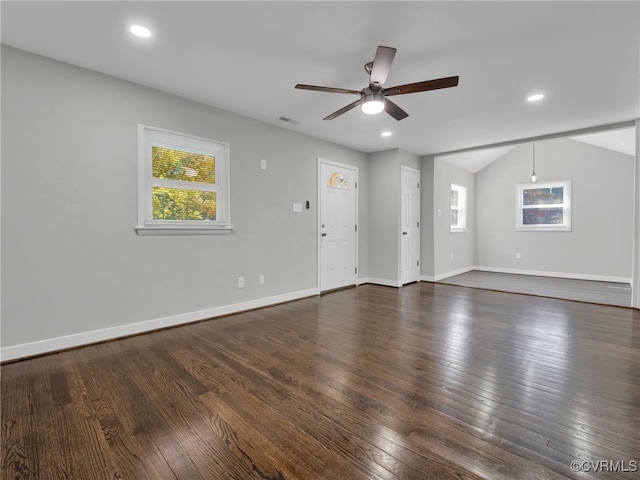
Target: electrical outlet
{"points": [[518, 256], [452, 256], [240, 282], [297, 207], [260, 279], [263, 164]]}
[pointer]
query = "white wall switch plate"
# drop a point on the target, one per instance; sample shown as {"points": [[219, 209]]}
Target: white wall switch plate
{"points": [[297, 207]]}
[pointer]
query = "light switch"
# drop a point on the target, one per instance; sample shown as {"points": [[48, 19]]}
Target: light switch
{"points": [[297, 207]]}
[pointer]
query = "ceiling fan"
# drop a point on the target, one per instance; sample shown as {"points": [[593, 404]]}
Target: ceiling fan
{"points": [[373, 99]]}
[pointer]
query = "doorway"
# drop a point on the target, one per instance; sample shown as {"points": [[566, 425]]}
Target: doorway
{"points": [[338, 236], [410, 226]]}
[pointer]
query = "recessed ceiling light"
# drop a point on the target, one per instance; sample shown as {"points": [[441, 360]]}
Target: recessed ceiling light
{"points": [[536, 97], [386, 134], [140, 31]]}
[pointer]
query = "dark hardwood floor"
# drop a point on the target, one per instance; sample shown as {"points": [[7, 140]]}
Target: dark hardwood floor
{"points": [[427, 381]]}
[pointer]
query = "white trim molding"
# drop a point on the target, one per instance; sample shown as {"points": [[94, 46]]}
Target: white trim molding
{"points": [[540, 273], [383, 281], [49, 345], [460, 271], [537, 273], [635, 264]]}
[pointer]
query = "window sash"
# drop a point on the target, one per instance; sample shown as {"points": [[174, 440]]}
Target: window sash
{"points": [[458, 216]]}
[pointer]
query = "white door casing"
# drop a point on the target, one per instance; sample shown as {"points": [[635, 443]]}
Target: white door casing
{"points": [[337, 229], [410, 226]]}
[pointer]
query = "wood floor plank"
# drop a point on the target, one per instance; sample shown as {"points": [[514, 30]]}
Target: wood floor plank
{"points": [[429, 381], [109, 411], [366, 443], [331, 397]]}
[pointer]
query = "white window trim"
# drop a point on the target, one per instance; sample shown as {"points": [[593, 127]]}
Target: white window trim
{"points": [[462, 211], [566, 205], [149, 136]]}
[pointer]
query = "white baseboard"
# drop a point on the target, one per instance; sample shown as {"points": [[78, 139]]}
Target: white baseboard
{"points": [[539, 273], [460, 271], [384, 282], [40, 347]]}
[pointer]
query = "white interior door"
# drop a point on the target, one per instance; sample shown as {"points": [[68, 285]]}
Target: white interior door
{"points": [[338, 217], [410, 225]]}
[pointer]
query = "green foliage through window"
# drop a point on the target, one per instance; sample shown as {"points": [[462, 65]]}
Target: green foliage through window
{"points": [[172, 164], [183, 204]]}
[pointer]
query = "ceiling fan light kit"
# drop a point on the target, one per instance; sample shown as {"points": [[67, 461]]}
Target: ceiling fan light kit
{"points": [[373, 103], [373, 98]]}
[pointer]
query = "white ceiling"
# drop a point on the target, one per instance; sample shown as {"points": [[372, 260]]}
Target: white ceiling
{"points": [[476, 160], [621, 140], [246, 57]]}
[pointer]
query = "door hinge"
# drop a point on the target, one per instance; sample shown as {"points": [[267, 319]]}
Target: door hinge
{"points": [[418, 263], [418, 184], [356, 228], [356, 270], [356, 185], [418, 224]]}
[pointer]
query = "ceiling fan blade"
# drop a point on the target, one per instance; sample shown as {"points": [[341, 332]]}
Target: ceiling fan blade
{"points": [[422, 86], [394, 110], [381, 67], [343, 110], [326, 89]]}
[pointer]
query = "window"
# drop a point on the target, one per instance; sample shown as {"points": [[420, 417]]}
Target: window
{"points": [[338, 180], [544, 206], [458, 208], [183, 183]]}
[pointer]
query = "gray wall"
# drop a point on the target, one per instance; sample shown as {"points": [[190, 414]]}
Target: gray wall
{"points": [[447, 244], [385, 170], [71, 260], [600, 243], [427, 215], [635, 280]]}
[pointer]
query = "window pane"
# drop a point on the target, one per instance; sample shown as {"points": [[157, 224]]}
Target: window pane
{"points": [[542, 216], [338, 180], [454, 218], [543, 196], [454, 198], [182, 204], [173, 164]]}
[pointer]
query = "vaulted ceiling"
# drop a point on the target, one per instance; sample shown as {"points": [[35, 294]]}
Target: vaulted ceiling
{"points": [[246, 57]]}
